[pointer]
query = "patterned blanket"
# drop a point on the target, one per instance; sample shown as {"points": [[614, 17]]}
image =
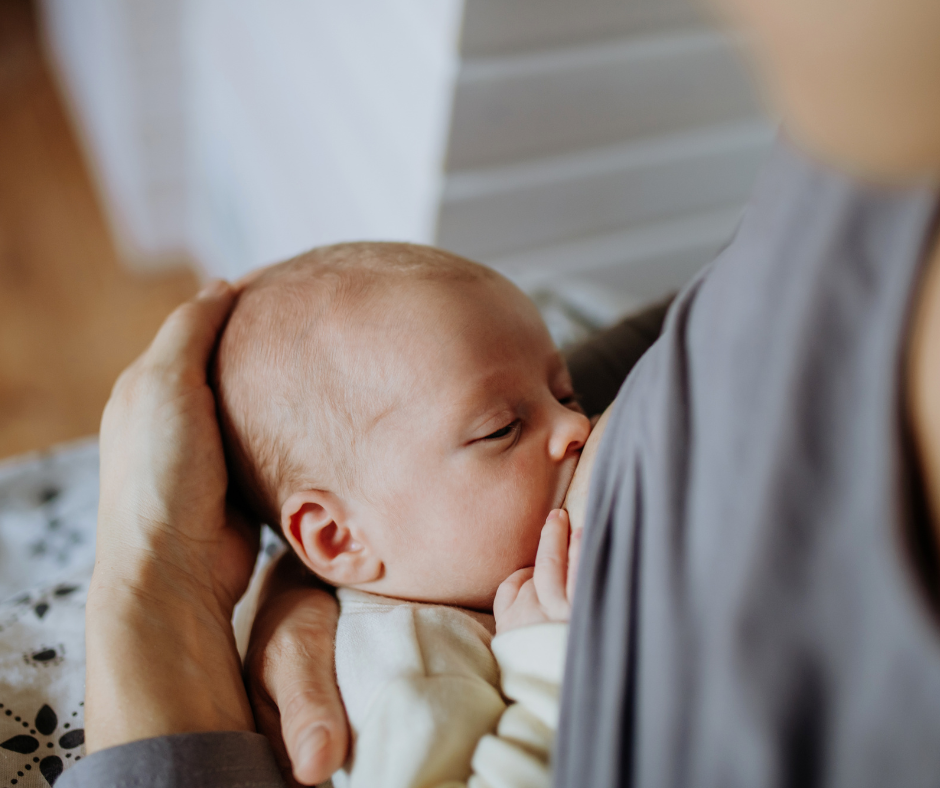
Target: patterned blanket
{"points": [[48, 510], [48, 506]]}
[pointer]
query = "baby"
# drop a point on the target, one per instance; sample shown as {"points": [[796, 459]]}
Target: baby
{"points": [[404, 416]]}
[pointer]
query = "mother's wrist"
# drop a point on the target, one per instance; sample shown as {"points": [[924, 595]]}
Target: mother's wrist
{"points": [[143, 579], [161, 659], [174, 560]]}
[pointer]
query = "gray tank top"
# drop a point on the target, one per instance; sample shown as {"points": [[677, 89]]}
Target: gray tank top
{"points": [[756, 598]]}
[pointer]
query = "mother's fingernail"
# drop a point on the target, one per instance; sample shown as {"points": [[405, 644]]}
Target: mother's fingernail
{"points": [[554, 514], [311, 742], [214, 288]]}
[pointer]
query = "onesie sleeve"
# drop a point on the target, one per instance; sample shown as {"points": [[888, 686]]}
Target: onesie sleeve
{"points": [[518, 755], [226, 759]]}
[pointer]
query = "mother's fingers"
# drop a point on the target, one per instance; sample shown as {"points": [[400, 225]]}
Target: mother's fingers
{"points": [[308, 732], [291, 676], [188, 335], [314, 727]]}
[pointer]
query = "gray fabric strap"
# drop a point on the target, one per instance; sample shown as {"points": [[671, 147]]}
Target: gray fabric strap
{"points": [[750, 611], [229, 759]]}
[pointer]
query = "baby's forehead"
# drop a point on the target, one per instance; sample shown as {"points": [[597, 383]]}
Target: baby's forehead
{"points": [[474, 362], [407, 319], [379, 338]]}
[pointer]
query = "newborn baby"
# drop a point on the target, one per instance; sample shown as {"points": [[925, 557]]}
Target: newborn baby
{"points": [[404, 416]]}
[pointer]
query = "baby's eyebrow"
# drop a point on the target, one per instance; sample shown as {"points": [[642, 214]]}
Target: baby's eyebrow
{"points": [[558, 365], [480, 402]]}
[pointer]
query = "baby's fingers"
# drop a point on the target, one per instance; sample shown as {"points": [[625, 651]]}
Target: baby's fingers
{"points": [[551, 566], [574, 556], [508, 590]]}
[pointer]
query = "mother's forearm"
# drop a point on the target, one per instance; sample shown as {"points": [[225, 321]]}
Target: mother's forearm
{"points": [[158, 663]]}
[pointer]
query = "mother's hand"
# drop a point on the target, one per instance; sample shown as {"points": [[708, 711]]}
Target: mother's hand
{"points": [[171, 561]]}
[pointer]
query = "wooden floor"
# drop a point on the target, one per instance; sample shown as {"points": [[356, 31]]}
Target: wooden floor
{"points": [[70, 316]]}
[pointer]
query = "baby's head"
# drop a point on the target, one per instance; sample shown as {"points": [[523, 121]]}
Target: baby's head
{"points": [[402, 414]]}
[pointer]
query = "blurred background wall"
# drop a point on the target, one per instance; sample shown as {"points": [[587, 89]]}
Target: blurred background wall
{"points": [[72, 314], [597, 152]]}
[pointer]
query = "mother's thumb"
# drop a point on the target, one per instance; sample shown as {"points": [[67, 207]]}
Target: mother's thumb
{"points": [[314, 728]]}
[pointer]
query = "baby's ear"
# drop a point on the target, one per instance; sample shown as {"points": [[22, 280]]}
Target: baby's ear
{"points": [[317, 526]]}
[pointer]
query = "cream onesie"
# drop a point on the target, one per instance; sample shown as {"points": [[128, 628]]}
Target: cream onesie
{"points": [[434, 699]]}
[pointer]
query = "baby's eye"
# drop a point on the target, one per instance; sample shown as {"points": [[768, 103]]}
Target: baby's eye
{"points": [[503, 432]]}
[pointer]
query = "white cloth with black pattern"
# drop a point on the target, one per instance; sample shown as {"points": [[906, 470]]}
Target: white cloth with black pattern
{"points": [[48, 508], [48, 513]]}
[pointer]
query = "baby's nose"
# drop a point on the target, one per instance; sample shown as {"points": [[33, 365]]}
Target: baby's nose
{"points": [[570, 433]]}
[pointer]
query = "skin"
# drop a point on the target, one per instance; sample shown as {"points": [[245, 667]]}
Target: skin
{"points": [[855, 82], [923, 389], [170, 560], [472, 445]]}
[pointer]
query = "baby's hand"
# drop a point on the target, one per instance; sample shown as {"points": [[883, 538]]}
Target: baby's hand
{"points": [[543, 593]]}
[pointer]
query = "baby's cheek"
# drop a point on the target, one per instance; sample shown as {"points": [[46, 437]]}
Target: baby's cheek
{"points": [[526, 533], [510, 541], [533, 498]]}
